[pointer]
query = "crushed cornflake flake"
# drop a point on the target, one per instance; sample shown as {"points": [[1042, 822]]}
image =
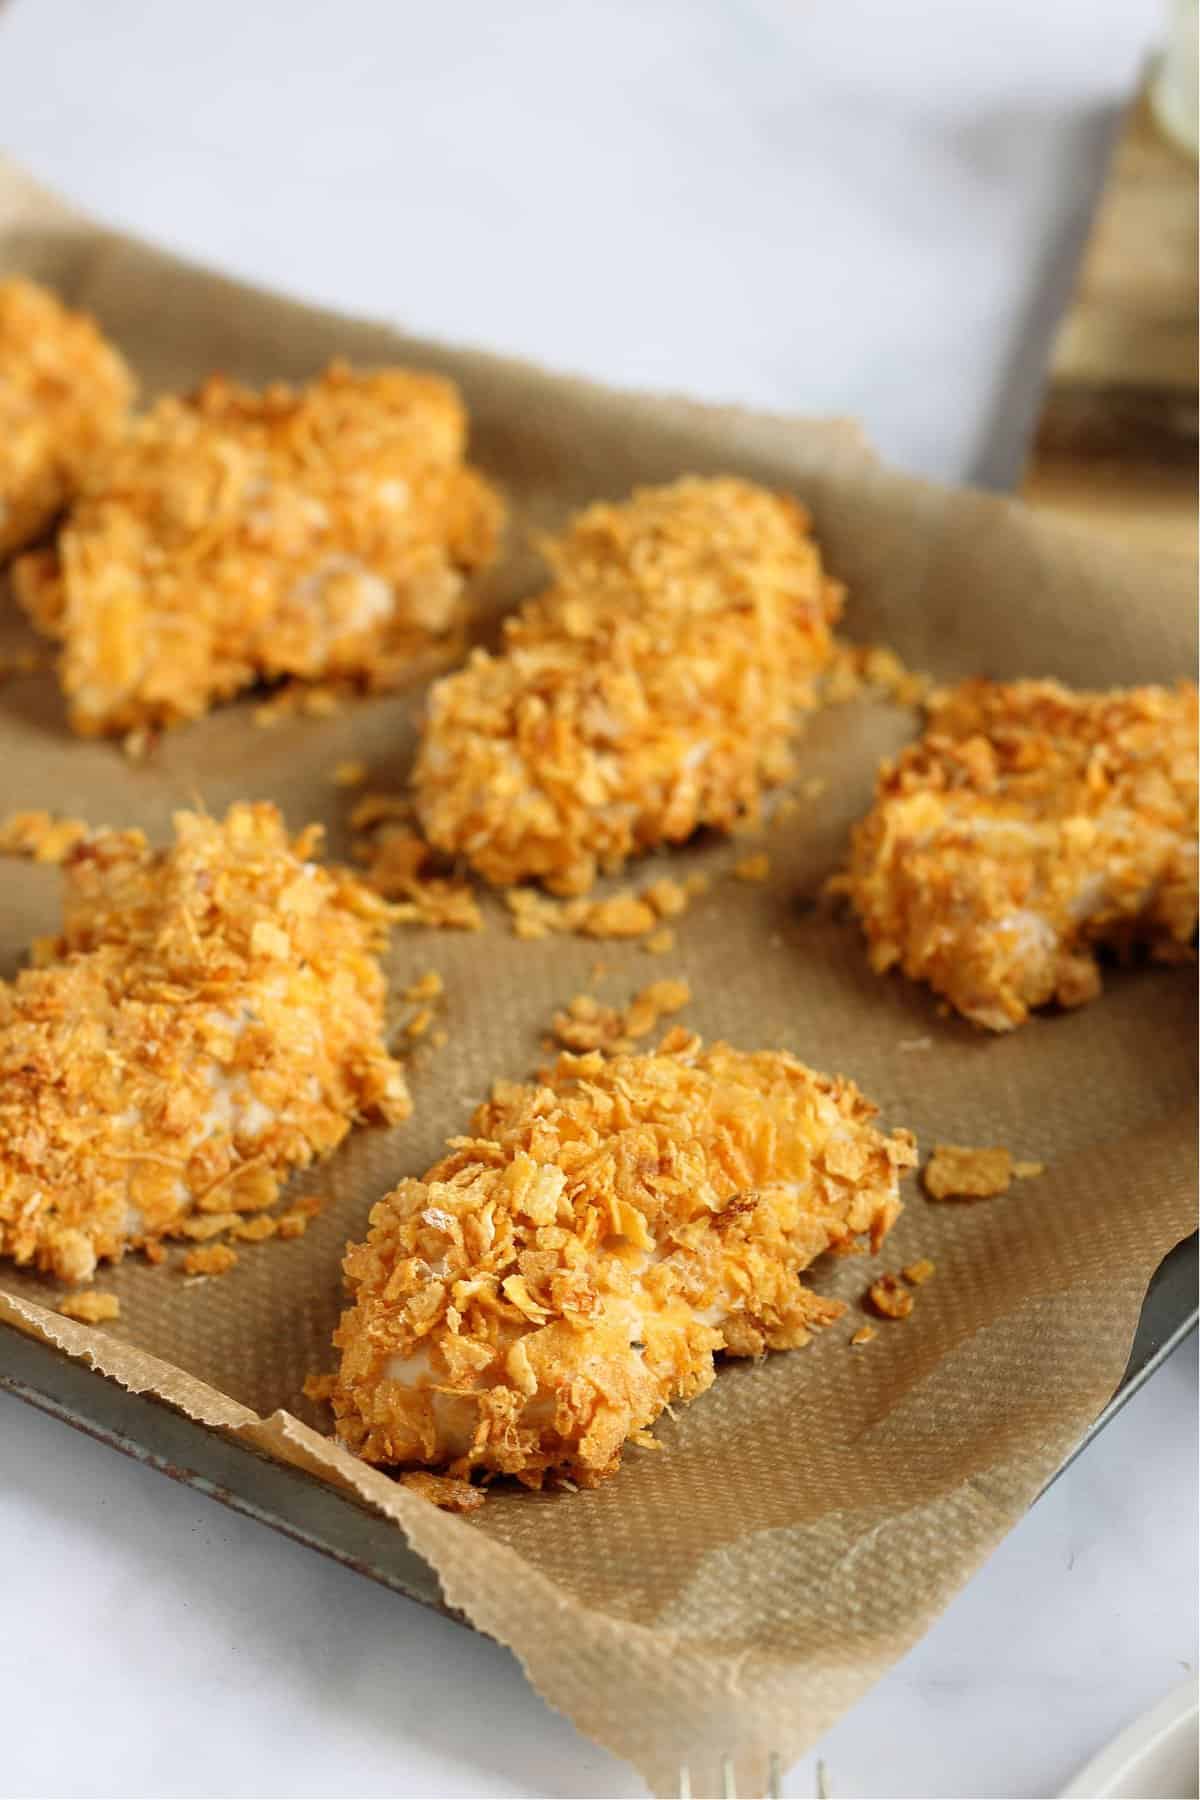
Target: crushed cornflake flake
{"points": [[255, 1230], [396, 860], [445, 1491], [1030, 826], [654, 688], [586, 1024], [212, 1259], [93, 1307], [919, 1272], [165, 1060], [420, 1022], [863, 1335], [206, 1225], [889, 1299], [64, 396], [319, 1386], [429, 986], [320, 535], [41, 836], [668, 898], [293, 1224], [348, 774], [575, 1261], [620, 915], [660, 942], [1025, 1171], [955, 1172], [752, 868]]}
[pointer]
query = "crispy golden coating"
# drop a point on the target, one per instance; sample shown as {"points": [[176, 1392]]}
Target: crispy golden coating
{"points": [[1029, 826], [653, 689], [64, 392], [209, 1019], [571, 1267], [238, 536]]}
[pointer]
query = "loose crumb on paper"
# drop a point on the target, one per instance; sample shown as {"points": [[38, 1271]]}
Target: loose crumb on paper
{"points": [[918, 1273], [40, 836], [93, 1307], [863, 1335], [587, 1024], [889, 1299], [212, 1259], [444, 1491], [752, 868], [957, 1172]]}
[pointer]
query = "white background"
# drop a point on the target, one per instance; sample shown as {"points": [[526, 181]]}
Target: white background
{"points": [[824, 206]]}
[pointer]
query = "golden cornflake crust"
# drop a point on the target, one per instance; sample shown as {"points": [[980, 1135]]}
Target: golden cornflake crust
{"points": [[572, 1266], [93, 1307], [653, 689], [239, 536], [209, 1019], [956, 1172], [64, 393], [1029, 826], [918, 1273]]}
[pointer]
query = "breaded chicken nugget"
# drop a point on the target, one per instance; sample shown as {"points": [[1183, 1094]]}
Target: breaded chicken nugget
{"points": [[64, 393], [209, 1019], [654, 688], [573, 1266], [241, 536], [1029, 826]]}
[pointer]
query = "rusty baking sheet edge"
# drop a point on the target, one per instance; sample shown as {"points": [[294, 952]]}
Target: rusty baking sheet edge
{"points": [[325, 1519]]}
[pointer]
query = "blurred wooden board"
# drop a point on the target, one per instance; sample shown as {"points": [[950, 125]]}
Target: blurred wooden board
{"points": [[1115, 446]]}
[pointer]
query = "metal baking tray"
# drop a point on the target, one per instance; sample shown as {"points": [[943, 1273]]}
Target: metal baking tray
{"points": [[325, 1518]]}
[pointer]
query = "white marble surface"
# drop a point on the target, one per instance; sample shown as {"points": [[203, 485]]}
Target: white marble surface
{"points": [[853, 207]]}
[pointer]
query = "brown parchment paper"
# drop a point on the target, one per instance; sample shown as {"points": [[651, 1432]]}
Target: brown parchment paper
{"points": [[805, 1520]]}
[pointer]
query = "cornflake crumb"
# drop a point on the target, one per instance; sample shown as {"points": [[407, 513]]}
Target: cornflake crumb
{"points": [[351, 773], [254, 1231], [814, 787], [438, 1038], [420, 1022], [396, 860], [41, 836], [445, 1491], [91, 1308], [1025, 1171], [587, 1024], [319, 1387], [917, 1273], [889, 1299], [956, 1172], [213, 1259], [667, 897], [427, 987], [207, 1225], [863, 1335], [753, 868], [660, 942]]}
